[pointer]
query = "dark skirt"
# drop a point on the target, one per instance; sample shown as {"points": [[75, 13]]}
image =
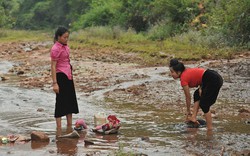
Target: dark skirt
{"points": [[66, 102], [211, 84]]}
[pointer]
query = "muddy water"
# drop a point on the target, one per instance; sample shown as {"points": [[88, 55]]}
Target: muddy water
{"points": [[19, 115], [26, 110], [147, 129], [161, 131]]}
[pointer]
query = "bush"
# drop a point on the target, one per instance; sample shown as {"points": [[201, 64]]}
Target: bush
{"points": [[108, 33], [93, 32], [206, 38], [130, 36], [232, 18], [3, 34], [160, 32]]}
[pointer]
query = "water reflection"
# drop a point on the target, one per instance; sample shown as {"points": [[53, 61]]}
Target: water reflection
{"points": [[111, 138], [66, 145], [196, 134], [38, 144]]}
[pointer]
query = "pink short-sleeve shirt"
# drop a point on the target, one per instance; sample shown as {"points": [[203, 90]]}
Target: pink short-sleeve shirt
{"points": [[60, 53]]}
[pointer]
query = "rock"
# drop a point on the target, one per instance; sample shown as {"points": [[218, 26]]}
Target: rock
{"points": [[34, 48], [163, 54], [247, 122], [39, 136], [214, 116], [27, 49], [243, 153], [74, 134], [4, 78], [244, 111], [88, 142], [244, 114], [140, 154], [145, 138], [40, 109], [212, 111], [51, 151], [20, 72]]}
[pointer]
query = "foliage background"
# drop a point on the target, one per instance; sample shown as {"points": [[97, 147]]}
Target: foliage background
{"points": [[208, 23]]}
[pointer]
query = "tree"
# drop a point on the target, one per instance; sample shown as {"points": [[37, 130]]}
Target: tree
{"points": [[42, 14], [77, 8], [135, 14], [7, 11], [178, 13], [232, 18], [100, 13], [25, 14]]}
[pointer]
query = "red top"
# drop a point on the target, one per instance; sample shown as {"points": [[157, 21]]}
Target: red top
{"points": [[192, 77], [60, 53]]}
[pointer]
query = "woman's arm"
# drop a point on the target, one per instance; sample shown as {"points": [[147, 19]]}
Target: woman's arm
{"points": [[53, 73], [188, 99]]}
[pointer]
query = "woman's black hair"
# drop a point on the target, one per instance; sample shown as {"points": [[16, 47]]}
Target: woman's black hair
{"points": [[176, 65], [59, 32]]}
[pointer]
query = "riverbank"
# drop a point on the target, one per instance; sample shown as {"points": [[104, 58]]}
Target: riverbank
{"points": [[148, 101]]}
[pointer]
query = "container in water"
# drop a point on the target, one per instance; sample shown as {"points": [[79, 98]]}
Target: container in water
{"points": [[100, 118], [4, 140]]}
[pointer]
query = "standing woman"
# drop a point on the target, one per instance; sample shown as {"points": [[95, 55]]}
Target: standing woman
{"points": [[63, 85], [208, 82]]}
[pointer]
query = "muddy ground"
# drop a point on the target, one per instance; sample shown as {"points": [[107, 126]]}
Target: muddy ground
{"points": [[117, 82]]}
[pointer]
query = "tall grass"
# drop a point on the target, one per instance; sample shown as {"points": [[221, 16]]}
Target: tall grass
{"points": [[206, 44], [192, 45], [22, 35], [108, 33]]}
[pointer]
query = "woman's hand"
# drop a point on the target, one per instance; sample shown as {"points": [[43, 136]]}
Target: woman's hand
{"points": [[54, 79], [188, 116], [56, 88], [193, 119]]}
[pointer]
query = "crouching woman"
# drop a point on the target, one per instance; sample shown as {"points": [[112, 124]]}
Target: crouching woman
{"points": [[208, 83]]}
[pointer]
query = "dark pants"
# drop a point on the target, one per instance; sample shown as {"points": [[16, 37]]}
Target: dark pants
{"points": [[211, 84]]}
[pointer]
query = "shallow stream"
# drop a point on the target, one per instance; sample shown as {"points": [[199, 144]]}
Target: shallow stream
{"points": [[145, 129]]}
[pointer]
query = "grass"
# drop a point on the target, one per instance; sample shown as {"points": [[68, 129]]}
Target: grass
{"points": [[22, 35], [189, 46]]}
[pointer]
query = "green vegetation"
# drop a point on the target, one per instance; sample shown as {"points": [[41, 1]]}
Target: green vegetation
{"points": [[7, 35], [155, 29], [188, 46]]}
